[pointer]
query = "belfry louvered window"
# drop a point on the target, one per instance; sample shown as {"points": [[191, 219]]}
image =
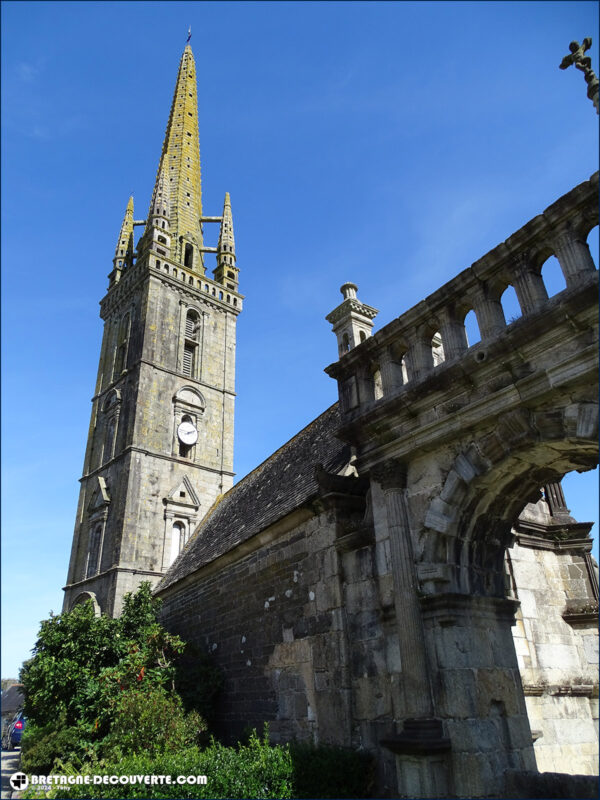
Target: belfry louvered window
{"points": [[189, 326], [188, 360], [190, 344]]}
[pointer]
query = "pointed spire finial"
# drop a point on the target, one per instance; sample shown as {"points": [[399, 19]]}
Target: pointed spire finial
{"points": [[178, 180], [124, 249], [189, 36], [226, 271]]}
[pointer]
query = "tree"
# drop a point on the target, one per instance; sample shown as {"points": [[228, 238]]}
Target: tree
{"points": [[96, 674]]}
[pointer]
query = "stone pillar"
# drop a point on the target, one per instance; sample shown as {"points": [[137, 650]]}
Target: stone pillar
{"points": [[454, 337], [490, 316], [419, 356], [573, 255], [366, 385], [419, 744], [479, 695], [529, 285], [391, 372]]}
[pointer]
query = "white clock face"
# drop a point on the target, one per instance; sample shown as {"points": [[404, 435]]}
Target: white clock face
{"points": [[187, 433]]}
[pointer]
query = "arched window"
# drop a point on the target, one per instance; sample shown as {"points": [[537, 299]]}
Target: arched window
{"points": [[188, 259], [93, 551], [510, 305], [553, 277], [377, 383], [178, 540], [122, 343], [472, 328], [162, 239], [109, 441], [437, 349]]}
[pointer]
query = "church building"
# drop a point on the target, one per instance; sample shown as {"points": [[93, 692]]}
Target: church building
{"points": [[403, 576]]}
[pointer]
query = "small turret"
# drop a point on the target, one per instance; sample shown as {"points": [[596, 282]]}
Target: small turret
{"points": [[124, 249], [226, 272], [352, 320], [157, 236]]}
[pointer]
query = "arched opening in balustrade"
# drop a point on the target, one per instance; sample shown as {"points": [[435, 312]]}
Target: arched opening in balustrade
{"points": [[472, 328], [437, 349], [510, 305], [377, 383], [592, 243], [553, 277], [403, 370]]}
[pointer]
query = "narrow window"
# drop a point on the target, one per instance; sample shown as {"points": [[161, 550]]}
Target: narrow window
{"points": [[437, 349], [188, 260], [93, 551], [177, 540], [188, 360], [123, 340], [109, 442]]}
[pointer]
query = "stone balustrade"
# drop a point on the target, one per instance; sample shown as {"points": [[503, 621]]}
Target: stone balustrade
{"points": [[410, 347]]}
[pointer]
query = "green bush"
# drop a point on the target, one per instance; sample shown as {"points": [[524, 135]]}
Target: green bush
{"points": [[325, 771], [41, 746], [151, 720], [255, 770]]}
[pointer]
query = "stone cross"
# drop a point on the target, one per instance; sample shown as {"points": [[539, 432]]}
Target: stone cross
{"points": [[583, 63]]}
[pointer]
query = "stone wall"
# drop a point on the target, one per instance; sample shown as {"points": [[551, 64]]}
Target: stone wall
{"points": [[558, 656], [296, 626]]}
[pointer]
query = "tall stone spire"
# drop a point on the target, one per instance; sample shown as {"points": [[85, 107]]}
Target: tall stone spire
{"points": [[124, 248], [226, 271], [178, 176]]}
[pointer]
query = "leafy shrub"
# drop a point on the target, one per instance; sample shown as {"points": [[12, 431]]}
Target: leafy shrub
{"points": [[325, 771], [40, 747], [151, 721], [255, 770]]}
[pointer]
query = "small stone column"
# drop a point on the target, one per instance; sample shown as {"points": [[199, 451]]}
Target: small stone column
{"points": [[490, 316], [529, 285], [454, 337], [419, 356], [391, 372], [573, 255]]}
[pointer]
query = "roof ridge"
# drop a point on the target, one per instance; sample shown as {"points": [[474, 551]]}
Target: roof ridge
{"points": [[279, 449]]}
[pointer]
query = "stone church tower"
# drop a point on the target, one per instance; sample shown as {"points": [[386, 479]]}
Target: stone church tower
{"points": [[160, 443]]}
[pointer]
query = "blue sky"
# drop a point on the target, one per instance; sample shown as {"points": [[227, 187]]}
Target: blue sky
{"points": [[390, 144]]}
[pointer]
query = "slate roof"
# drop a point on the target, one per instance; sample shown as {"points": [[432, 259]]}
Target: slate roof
{"points": [[12, 699], [276, 487]]}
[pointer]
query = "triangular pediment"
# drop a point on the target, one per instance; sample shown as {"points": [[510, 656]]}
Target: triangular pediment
{"points": [[184, 494], [100, 497]]}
